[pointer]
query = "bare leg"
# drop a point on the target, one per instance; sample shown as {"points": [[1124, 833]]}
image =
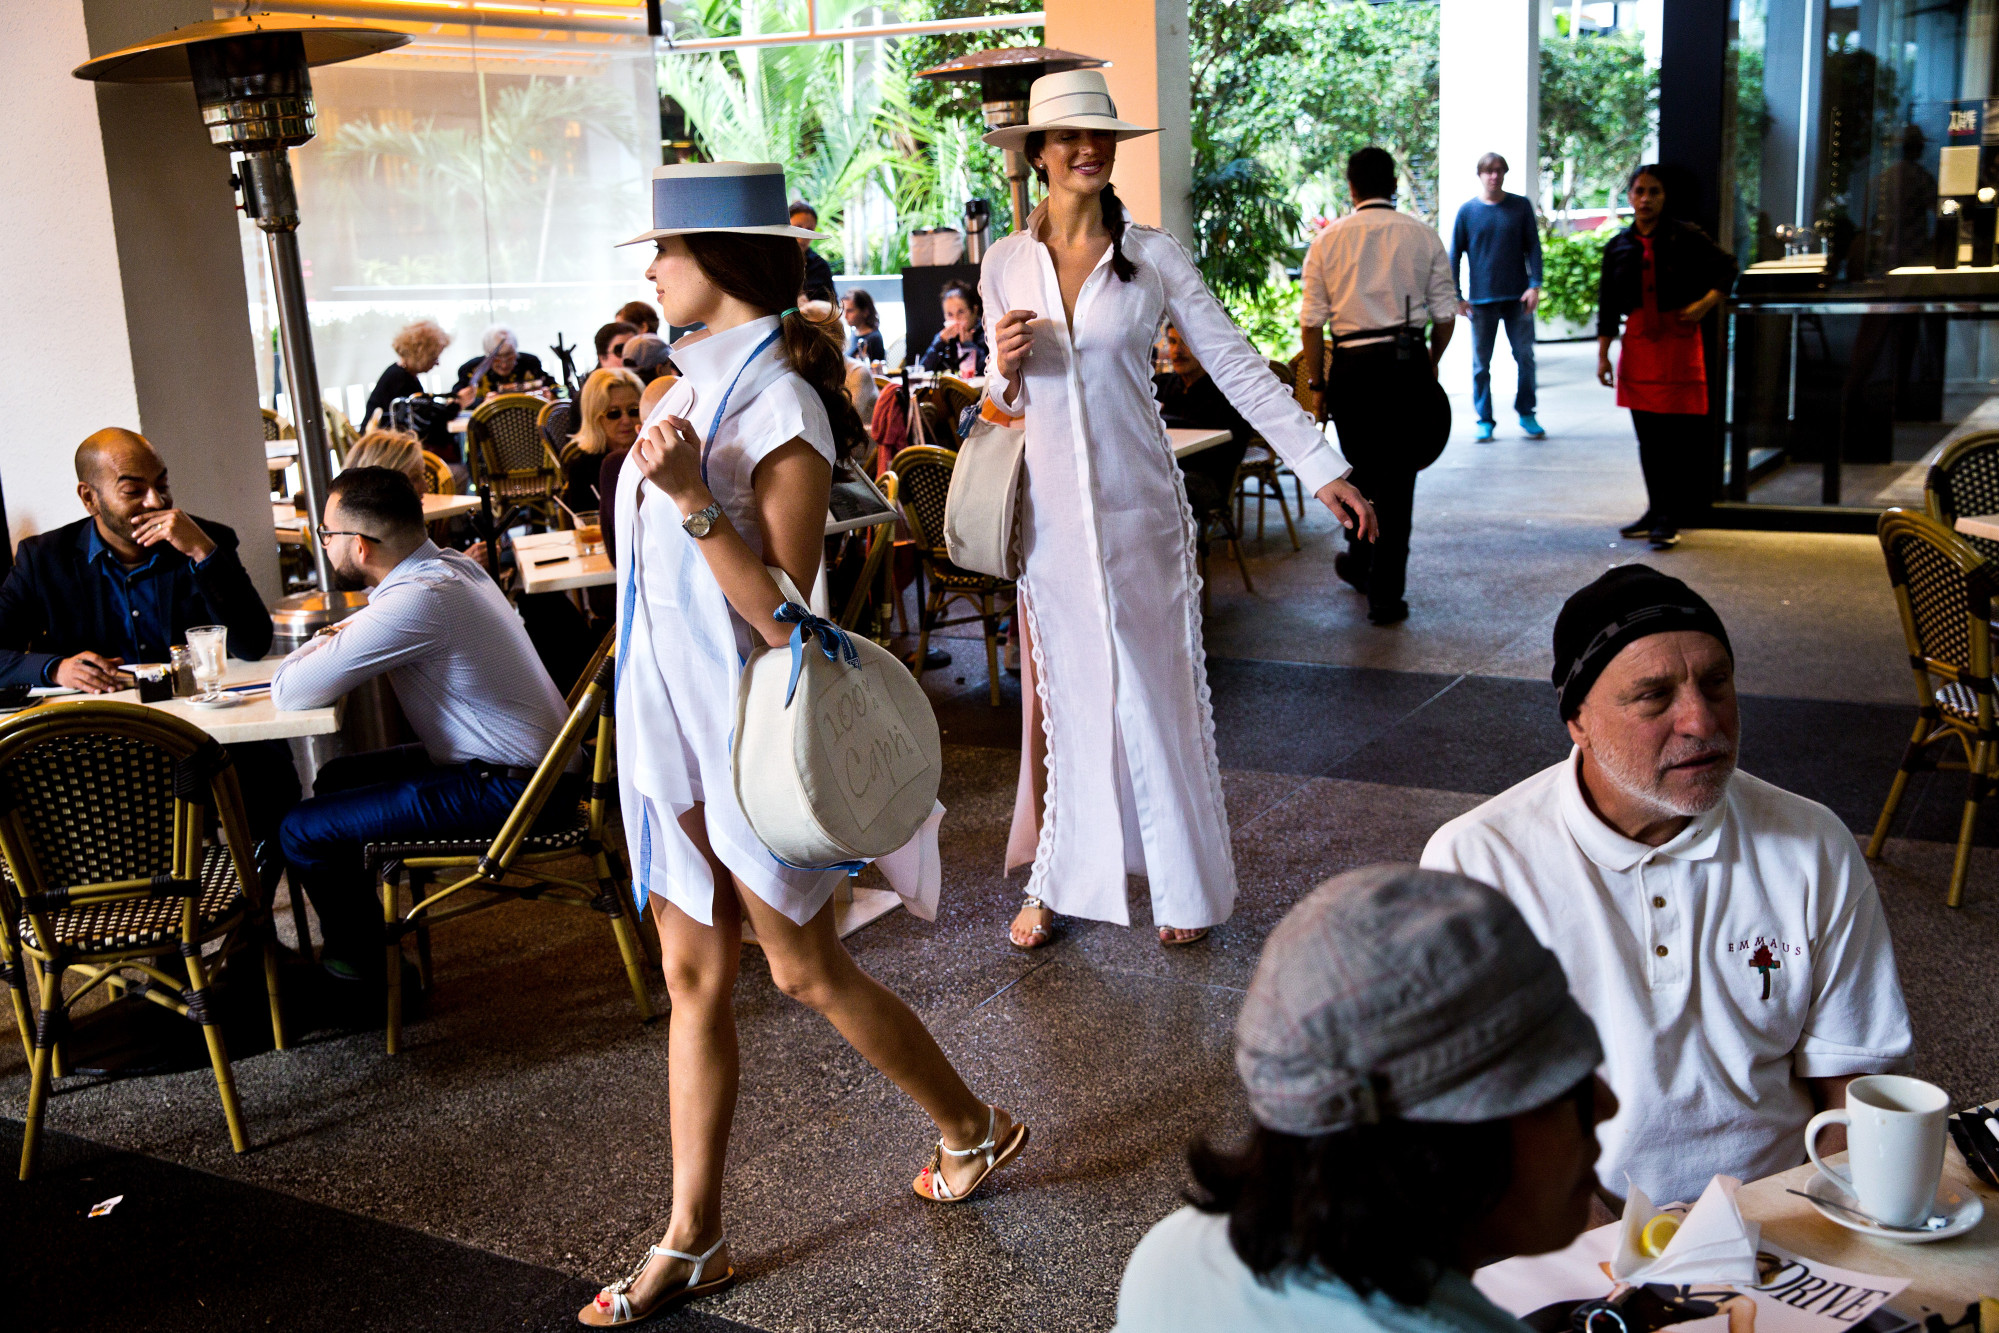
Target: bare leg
{"points": [[809, 964]]}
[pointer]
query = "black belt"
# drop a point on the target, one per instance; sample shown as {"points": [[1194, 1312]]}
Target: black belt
{"points": [[487, 769], [1404, 340]]}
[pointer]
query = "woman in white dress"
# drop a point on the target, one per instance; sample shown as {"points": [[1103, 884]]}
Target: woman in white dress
{"points": [[732, 474], [1118, 767]]}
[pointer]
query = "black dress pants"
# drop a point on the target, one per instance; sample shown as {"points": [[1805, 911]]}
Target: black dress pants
{"points": [[1371, 394], [1672, 451]]}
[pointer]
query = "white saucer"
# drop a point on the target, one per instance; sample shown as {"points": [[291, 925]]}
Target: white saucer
{"points": [[221, 701], [1965, 1211]]}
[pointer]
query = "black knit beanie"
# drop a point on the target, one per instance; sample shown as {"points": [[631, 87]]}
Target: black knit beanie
{"points": [[1625, 605]]}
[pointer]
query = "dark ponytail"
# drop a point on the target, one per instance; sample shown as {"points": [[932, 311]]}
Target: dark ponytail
{"points": [[1112, 206], [767, 272]]}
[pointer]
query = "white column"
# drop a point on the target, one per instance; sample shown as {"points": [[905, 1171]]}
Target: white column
{"points": [[64, 341], [1146, 43], [1489, 98]]}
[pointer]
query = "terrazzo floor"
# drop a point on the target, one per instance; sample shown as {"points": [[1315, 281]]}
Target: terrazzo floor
{"points": [[513, 1156]]}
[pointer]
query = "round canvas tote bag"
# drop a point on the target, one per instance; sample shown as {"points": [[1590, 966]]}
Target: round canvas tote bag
{"points": [[836, 756]]}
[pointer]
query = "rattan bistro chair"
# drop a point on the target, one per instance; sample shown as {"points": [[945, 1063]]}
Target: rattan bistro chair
{"points": [[924, 473], [1944, 590], [114, 874], [1965, 480], [509, 458], [520, 852], [275, 426]]}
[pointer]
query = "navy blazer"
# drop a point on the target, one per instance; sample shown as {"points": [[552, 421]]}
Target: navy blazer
{"points": [[55, 605]]}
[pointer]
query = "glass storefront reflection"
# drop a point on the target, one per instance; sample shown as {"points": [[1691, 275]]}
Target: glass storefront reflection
{"points": [[1860, 189], [472, 186]]}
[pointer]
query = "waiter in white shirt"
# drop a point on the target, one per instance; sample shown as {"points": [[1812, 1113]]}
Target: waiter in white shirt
{"points": [[1723, 933], [1378, 277]]}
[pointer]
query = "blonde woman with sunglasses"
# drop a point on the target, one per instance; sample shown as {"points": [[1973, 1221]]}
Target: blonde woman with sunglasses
{"points": [[608, 417]]}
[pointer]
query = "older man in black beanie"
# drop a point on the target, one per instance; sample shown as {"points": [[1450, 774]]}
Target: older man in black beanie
{"points": [[1723, 933]]}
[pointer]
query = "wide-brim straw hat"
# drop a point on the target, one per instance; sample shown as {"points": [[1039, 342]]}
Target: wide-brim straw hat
{"points": [[1075, 99], [745, 197]]}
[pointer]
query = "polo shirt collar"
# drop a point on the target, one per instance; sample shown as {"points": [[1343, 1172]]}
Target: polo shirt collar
{"points": [[719, 354], [1608, 848]]}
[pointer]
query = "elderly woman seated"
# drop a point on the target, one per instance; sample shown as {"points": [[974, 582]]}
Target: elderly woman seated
{"points": [[504, 368], [1424, 1100]]}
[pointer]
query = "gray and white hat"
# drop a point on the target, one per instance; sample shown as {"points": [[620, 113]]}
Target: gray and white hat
{"points": [[1070, 99], [1399, 992], [745, 197]]}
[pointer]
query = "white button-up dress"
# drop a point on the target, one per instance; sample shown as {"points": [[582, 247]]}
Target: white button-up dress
{"points": [[681, 646], [1110, 596]]}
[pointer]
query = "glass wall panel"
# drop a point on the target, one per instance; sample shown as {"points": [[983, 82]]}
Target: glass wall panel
{"points": [[473, 182], [1859, 341]]}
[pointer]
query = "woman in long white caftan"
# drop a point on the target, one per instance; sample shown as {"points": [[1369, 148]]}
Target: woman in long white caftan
{"points": [[1118, 767], [730, 478]]}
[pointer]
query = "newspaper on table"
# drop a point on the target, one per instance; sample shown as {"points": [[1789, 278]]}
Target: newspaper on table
{"points": [[1717, 1275]]}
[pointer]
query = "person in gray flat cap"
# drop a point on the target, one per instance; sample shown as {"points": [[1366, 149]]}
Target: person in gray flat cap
{"points": [[1425, 1102]]}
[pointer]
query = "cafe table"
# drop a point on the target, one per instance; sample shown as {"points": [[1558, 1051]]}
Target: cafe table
{"points": [[253, 718], [1979, 525], [1944, 1276], [556, 562], [1188, 440]]}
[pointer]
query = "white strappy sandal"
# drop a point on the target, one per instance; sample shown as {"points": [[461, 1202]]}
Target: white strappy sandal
{"points": [[1037, 934], [996, 1156], [621, 1305]]}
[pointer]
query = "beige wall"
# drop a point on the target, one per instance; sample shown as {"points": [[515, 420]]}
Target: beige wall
{"points": [[65, 367], [180, 262], [1146, 43]]}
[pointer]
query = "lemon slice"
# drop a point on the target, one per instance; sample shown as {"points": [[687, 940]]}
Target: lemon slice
{"points": [[1658, 1234]]}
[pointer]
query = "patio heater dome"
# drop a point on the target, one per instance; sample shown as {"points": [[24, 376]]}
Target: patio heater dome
{"points": [[251, 82], [1004, 75]]}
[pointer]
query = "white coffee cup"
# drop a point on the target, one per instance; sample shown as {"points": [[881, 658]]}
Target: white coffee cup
{"points": [[1894, 1140]]}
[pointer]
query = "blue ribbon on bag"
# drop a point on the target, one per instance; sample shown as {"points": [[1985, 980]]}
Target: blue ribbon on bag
{"points": [[833, 641]]}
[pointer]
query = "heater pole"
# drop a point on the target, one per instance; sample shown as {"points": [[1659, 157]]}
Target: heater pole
{"points": [[268, 192]]}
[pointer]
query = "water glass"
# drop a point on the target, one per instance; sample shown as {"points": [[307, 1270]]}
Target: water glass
{"points": [[210, 645]]}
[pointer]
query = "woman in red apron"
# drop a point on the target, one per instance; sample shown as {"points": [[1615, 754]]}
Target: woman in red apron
{"points": [[1661, 277]]}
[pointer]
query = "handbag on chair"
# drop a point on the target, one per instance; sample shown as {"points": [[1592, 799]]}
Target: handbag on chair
{"points": [[836, 757], [982, 508]]}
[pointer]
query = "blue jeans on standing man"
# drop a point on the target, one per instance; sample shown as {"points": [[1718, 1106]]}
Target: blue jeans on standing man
{"points": [[1486, 317]]}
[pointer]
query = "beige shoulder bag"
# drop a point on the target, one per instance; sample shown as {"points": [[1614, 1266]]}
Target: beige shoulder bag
{"points": [[982, 509], [836, 757]]}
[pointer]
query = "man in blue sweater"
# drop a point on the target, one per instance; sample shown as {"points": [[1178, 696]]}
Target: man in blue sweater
{"points": [[1498, 234]]}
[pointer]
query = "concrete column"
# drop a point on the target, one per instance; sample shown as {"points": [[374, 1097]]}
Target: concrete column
{"points": [[1150, 80], [187, 309], [64, 343], [1489, 98]]}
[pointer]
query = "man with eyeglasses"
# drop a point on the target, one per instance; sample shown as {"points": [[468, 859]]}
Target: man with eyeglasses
{"points": [[468, 681]]}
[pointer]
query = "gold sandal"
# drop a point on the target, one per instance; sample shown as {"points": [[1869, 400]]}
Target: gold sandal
{"points": [[620, 1308], [996, 1155]]}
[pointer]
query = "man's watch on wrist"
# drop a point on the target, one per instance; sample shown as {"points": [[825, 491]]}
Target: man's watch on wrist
{"points": [[702, 522]]}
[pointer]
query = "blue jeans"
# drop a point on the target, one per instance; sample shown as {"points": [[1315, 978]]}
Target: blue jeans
{"points": [[394, 795], [1485, 321]]}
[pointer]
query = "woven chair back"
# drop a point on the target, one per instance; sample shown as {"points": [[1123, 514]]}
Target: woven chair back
{"points": [[107, 800], [1944, 590], [275, 426], [340, 433], [505, 433], [590, 708], [437, 478], [924, 474], [1965, 481], [558, 422], [1299, 376]]}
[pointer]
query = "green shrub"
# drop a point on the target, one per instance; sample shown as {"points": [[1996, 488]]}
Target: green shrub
{"points": [[1570, 266]]}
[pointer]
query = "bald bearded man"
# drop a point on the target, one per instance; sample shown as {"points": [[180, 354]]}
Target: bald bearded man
{"points": [[123, 584]]}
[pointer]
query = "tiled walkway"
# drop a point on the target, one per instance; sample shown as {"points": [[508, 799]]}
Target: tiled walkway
{"points": [[514, 1155]]}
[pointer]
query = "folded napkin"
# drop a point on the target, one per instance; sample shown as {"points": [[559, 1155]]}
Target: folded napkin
{"points": [[1714, 1243]]}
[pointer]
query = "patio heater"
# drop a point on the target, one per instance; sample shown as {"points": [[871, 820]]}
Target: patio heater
{"points": [[1004, 75], [250, 79]]}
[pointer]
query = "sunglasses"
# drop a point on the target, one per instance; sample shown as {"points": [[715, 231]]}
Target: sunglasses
{"points": [[620, 413]]}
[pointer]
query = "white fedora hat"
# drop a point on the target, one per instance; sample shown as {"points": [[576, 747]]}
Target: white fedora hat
{"points": [[1076, 99], [745, 197]]}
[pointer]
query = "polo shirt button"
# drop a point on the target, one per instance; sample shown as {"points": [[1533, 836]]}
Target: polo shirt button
{"points": [[1661, 951], [1658, 902]]}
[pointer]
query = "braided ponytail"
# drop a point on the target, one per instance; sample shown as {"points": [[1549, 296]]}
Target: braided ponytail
{"points": [[767, 272], [1113, 208]]}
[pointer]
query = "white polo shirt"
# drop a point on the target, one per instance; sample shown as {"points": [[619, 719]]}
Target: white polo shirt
{"points": [[1745, 955]]}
